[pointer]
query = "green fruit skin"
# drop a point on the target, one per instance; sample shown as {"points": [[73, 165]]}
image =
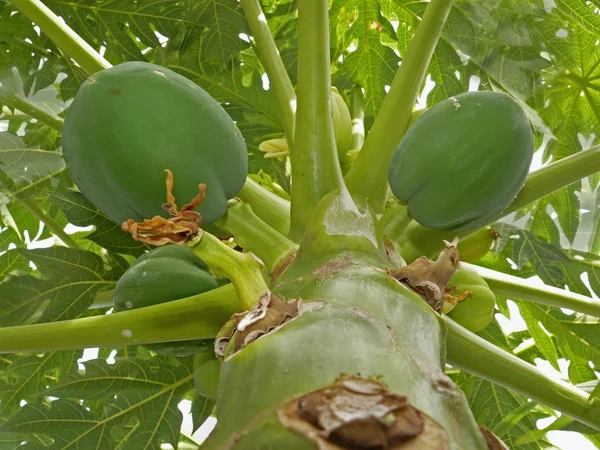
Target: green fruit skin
{"points": [[129, 123], [342, 123], [476, 311], [162, 275], [206, 374], [463, 161]]}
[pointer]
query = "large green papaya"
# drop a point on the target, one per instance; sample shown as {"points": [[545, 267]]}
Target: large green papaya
{"points": [[463, 161], [162, 275], [129, 123]]}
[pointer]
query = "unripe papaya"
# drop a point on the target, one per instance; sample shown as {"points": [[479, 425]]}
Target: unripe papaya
{"points": [[342, 127], [476, 310], [342, 123], [162, 275], [130, 123], [463, 161], [206, 374]]}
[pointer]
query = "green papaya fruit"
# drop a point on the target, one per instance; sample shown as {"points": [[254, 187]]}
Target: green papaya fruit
{"points": [[342, 127], [463, 161], [162, 275], [342, 123], [206, 374], [476, 310], [130, 123]]}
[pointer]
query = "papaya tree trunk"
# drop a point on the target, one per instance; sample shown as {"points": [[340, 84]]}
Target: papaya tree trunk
{"points": [[339, 355]]}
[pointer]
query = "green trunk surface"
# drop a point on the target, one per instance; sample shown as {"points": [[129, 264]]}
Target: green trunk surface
{"points": [[368, 325]]}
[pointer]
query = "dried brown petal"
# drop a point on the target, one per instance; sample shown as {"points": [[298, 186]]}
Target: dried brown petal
{"points": [[493, 442], [430, 279], [182, 225]]}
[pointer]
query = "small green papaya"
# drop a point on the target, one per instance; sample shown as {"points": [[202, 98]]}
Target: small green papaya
{"points": [[476, 310], [342, 127], [342, 123], [130, 123], [463, 161], [206, 374], [162, 275]]}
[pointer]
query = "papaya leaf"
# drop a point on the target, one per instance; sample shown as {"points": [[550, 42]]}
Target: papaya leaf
{"points": [[361, 28], [80, 212], [202, 408], [26, 377], [492, 404], [67, 286], [138, 406], [24, 170]]}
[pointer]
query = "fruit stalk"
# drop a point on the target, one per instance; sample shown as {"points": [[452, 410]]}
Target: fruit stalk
{"points": [[514, 287], [315, 167], [271, 208], [18, 102], [279, 81], [254, 235], [63, 36], [196, 317], [240, 268], [49, 222], [475, 355], [393, 118], [556, 176]]}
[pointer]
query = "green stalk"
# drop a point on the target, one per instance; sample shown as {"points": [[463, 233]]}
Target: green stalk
{"points": [[254, 235], [315, 167], [518, 288], [270, 207], [197, 317], [556, 176], [475, 355], [279, 81], [63, 36], [357, 112], [368, 177], [49, 222], [18, 102], [240, 268]]}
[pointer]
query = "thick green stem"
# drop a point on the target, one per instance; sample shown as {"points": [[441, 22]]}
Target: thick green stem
{"points": [[197, 317], [518, 288], [315, 167], [368, 177], [475, 355], [279, 81], [240, 268], [49, 222], [271, 208], [63, 36], [18, 102], [357, 112], [254, 235], [556, 176]]}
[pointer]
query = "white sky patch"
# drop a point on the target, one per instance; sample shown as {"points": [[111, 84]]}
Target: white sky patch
{"points": [[265, 81]]}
